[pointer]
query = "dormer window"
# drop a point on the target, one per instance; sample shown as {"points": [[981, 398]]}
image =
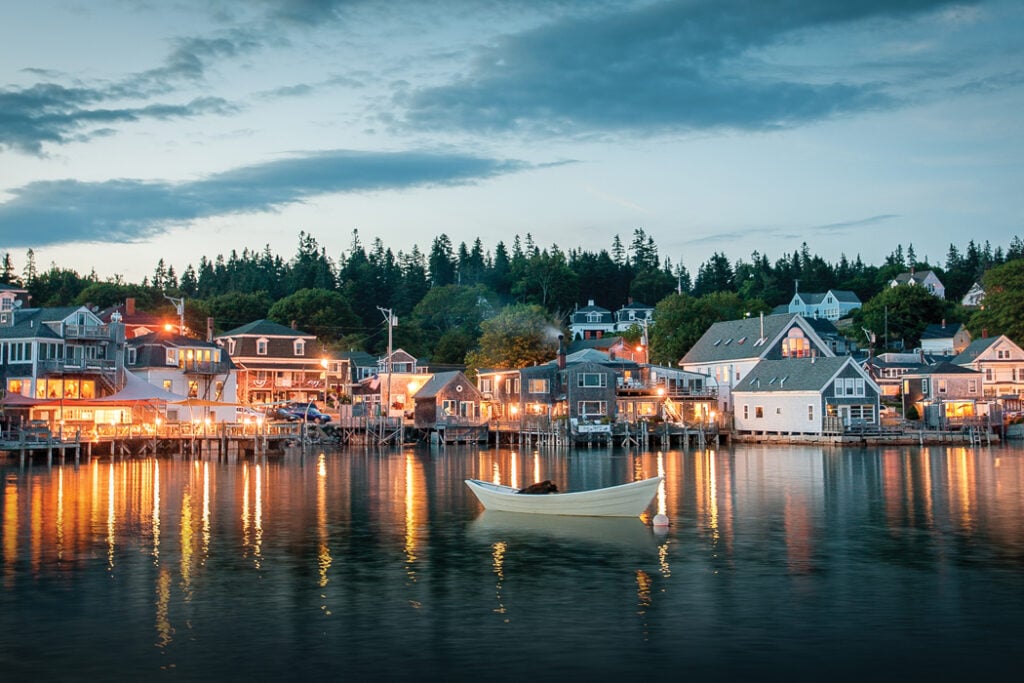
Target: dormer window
{"points": [[261, 347], [231, 347], [300, 347]]}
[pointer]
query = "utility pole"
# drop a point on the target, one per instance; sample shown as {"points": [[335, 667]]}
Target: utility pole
{"points": [[391, 320], [179, 307]]}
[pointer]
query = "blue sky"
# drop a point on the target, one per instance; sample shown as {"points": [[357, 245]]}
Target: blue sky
{"points": [[134, 130]]}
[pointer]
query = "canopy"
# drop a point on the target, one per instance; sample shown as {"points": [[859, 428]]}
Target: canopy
{"points": [[137, 390]]}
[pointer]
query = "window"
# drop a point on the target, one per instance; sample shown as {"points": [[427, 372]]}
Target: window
{"points": [[537, 386], [758, 411], [167, 385], [449, 406], [746, 412], [593, 408], [796, 345], [193, 389], [132, 355], [810, 412], [1003, 354], [467, 409], [972, 386], [300, 347], [512, 386], [485, 385], [942, 386], [231, 347], [988, 374], [172, 357], [261, 347], [592, 379]]}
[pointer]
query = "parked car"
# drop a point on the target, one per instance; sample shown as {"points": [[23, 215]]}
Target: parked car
{"points": [[296, 412]]}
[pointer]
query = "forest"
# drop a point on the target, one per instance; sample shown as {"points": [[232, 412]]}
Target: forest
{"points": [[448, 299]]}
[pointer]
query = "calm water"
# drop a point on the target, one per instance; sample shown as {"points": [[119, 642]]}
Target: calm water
{"points": [[781, 563]]}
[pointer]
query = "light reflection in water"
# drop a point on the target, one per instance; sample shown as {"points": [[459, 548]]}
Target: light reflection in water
{"points": [[643, 594], [536, 465], [156, 512], [257, 520], [324, 550], [245, 506], [496, 473], [206, 510], [111, 518], [10, 531], [410, 519], [514, 475], [60, 514], [498, 563], [186, 543], [164, 630]]}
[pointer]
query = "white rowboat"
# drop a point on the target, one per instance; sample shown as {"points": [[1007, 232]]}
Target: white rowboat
{"points": [[624, 500]]}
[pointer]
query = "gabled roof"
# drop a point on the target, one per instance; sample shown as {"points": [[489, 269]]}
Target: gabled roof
{"points": [[733, 340], [979, 347], [359, 359], [264, 328], [439, 381], [918, 276], [605, 342], [636, 306], [793, 374]]}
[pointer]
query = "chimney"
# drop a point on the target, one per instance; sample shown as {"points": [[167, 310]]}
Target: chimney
{"points": [[943, 323], [984, 333], [561, 353], [209, 329], [295, 324], [129, 306]]}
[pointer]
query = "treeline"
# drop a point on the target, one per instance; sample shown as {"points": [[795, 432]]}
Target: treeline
{"points": [[441, 296]]}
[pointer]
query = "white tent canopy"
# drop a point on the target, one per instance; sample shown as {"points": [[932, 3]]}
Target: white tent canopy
{"points": [[137, 389]]}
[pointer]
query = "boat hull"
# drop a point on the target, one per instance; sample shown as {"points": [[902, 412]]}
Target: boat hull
{"points": [[625, 500]]}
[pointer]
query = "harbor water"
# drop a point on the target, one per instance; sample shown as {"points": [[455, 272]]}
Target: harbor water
{"points": [[779, 563]]}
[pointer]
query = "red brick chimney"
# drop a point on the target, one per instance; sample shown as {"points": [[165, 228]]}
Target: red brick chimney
{"points": [[129, 306], [561, 353]]}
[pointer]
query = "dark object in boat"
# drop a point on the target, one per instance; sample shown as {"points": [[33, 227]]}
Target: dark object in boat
{"points": [[546, 486]]}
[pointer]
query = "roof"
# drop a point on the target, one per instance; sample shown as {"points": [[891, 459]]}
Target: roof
{"points": [[31, 322], [358, 358], [637, 306], [438, 382], [793, 374], [735, 339], [943, 368], [918, 276], [845, 295], [940, 331], [264, 328], [606, 342], [976, 348]]}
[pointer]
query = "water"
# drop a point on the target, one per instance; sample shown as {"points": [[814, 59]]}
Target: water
{"points": [[781, 563]]}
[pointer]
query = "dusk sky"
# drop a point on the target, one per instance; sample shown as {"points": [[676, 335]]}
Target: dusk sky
{"points": [[135, 130]]}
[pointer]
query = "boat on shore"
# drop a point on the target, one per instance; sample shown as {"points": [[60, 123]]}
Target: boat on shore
{"points": [[624, 500]]}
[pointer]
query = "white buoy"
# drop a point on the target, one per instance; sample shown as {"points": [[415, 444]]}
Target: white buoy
{"points": [[660, 520]]}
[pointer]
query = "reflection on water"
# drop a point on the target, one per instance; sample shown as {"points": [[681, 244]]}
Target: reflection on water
{"points": [[799, 560]]}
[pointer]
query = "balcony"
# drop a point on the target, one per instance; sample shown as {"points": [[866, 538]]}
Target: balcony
{"points": [[194, 367], [89, 332], [59, 366]]}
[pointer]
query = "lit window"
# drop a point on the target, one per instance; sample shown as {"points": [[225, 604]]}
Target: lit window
{"points": [[261, 347], [538, 386]]}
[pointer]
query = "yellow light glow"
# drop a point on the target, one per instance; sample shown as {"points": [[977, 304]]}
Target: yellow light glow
{"points": [[168, 327], [413, 387], [513, 410]]}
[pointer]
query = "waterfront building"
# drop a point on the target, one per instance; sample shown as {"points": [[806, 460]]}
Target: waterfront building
{"points": [[943, 394], [1001, 364], [730, 349], [805, 395], [275, 363]]}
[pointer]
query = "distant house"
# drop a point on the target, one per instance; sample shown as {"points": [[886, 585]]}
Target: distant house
{"points": [[12, 297], [925, 278], [614, 346], [591, 322], [275, 363], [943, 393], [805, 396], [633, 314], [731, 349], [974, 296], [831, 305], [1000, 362], [944, 340]]}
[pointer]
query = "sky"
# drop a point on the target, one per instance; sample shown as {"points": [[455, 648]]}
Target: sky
{"points": [[138, 130]]}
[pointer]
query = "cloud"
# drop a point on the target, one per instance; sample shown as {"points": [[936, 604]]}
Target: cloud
{"points": [[51, 113], [127, 210], [789, 232], [666, 67], [856, 223]]}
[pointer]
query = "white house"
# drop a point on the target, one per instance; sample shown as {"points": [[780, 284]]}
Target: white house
{"points": [[591, 322], [925, 278], [944, 340], [731, 349], [831, 305], [974, 296], [805, 396]]}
